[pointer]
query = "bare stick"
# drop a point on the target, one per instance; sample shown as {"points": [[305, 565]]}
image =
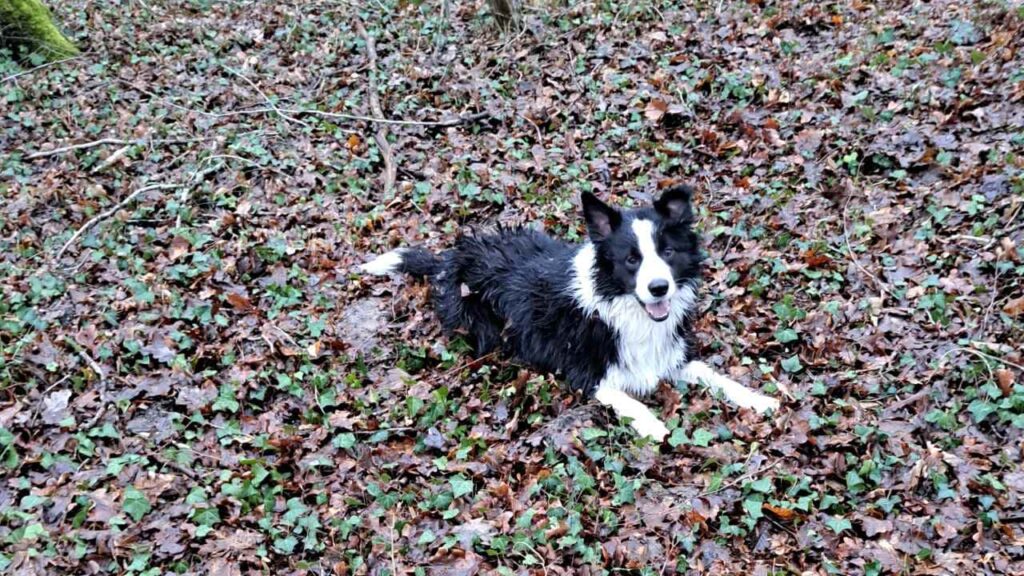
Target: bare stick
{"points": [[853, 257], [742, 478], [108, 213], [117, 155], [448, 123], [266, 98], [390, 172], [88, 359], [457, 121], [81, 146], [113, 141], [40, 67]]}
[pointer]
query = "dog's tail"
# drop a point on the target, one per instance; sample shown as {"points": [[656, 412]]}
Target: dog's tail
{"points": [[413, 261]]}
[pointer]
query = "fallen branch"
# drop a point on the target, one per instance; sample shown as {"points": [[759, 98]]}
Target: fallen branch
{"points": [[266, 98], [390, 172], [451, 122], [81, 146], [742, 478], [112, 159], [88, 359], [113, 141], [40, 67], [922, 393], [882, 287], [447, 123], [108, 213]]}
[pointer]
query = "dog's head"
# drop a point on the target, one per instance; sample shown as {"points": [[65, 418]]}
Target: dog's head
{"points": [[650, 252]]}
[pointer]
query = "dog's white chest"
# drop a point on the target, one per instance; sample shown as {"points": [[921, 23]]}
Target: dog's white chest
{"points": [[643, 364], [648, 351]]}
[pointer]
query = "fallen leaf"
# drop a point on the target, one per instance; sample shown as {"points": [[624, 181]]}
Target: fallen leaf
{"points": [[55, 407], [1015, 307], [780, 512], [239, 302], [655, 110], [1004, 378]]}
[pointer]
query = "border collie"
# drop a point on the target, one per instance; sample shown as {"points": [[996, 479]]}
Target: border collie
{"points": [[612, 316]]}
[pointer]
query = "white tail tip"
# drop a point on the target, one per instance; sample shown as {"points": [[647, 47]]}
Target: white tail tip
{"points": [[384, 264]]}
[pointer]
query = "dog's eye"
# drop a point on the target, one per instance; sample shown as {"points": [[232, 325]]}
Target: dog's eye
{"points": [[668, 251], [633, 260]]}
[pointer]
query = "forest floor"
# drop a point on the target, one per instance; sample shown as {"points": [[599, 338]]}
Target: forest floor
{"points": [[192, 380]]}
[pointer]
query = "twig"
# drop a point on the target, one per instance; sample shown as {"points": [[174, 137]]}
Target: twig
{"points": [[168, 463], [853, 257], [40, 67], [739, 479], [84, 145], [391, 534], [390, 173], [108, 213], [266, 98], [88, 359], [451, 122], [995, 281], [448, 123], [923, 392], [540, 136], [117, 155], [115, 141], [984, 356], [379, 430]]}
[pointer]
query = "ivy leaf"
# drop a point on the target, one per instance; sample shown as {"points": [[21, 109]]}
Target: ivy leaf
{"points": [[345, 441], [838, 525], [226, 400], [786, 335], [460, 486], [792, 364], [678, 438], [135, 503], [763, 485], [702, 437], [753, 508], [285, 545]]}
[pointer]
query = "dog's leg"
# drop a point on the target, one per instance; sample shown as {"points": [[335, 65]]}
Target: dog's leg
{"points": [[735, 392], [643, 420]]}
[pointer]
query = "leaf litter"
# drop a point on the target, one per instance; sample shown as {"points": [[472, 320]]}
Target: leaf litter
{"points": [[199, 383]]}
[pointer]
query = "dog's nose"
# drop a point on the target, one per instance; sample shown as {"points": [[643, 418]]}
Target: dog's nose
{"points": [[658, 288]]}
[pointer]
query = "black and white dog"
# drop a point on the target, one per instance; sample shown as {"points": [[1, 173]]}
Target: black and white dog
{"points": [[613, 316]]}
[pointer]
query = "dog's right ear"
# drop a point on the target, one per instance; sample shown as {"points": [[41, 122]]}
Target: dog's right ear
{"points": [[601, 218]]}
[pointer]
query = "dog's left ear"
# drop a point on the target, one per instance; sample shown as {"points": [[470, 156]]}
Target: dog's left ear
{"points": [[601, 218], [674, 204]]}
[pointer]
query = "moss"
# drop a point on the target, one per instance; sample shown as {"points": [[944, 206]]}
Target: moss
{"points": [[28, 23]]}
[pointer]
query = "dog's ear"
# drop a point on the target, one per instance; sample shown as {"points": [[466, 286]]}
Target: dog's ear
{"points": [[674, 204], [601, 218]]}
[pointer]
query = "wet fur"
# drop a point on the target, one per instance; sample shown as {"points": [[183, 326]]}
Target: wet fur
{"points": [[576, 309]]}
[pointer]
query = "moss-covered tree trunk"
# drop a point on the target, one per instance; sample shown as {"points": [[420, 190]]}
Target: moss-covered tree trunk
{"points": [[28, 23]]}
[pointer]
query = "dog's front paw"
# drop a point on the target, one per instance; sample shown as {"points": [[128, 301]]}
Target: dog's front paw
{"points": [[762, 403], [650, 427]]}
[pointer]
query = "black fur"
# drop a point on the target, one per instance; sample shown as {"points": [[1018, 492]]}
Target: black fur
{"points": [[515, 288]]}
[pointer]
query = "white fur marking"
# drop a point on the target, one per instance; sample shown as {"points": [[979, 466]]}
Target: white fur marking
{"points": [[643, 420], [384, 264], [734, 391], [648, 350], [652, 267]]}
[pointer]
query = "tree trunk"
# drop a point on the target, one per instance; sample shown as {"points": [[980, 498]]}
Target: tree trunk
{"points": [[504, 12], [28, 24]]}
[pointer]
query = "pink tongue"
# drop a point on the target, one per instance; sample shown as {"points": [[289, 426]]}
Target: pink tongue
{"points": [[657, 310]]}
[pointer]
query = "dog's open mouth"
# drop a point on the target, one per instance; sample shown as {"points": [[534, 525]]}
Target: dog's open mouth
{"points": [[658, 311]]}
